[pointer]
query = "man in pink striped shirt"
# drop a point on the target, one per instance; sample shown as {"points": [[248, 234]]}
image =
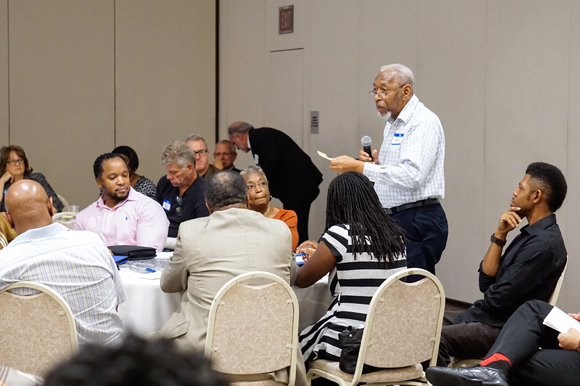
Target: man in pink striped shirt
{"points": [[122, 216]]}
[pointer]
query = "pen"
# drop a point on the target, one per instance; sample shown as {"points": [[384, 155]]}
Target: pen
{"points": [[149, 270]]}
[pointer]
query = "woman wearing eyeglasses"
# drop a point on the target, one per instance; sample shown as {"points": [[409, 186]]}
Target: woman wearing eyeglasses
{"points": [[14, 167], [259, 200]]}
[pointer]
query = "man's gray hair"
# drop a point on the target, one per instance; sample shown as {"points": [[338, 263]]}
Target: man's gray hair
{"points": [[254, 169], [178, 152], [225, 188], [239, 127], [195, 137], [226, 142], [404, 73]]}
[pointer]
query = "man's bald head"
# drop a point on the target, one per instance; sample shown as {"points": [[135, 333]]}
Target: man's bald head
{"points": [[28, 206]]}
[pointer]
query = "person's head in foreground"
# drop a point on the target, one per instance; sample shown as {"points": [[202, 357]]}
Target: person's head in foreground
{"points": [[352, 200], [136, 362], [225, 190], [28, 206]]}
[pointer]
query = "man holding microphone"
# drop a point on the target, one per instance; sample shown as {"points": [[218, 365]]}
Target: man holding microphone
{"points": [[408, 171]]}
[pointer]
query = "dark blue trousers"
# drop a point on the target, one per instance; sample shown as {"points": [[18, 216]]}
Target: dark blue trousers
{"points": [[426, 230]]}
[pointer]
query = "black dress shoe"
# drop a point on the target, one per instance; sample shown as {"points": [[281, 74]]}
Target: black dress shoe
{"points": [[473, 376]]}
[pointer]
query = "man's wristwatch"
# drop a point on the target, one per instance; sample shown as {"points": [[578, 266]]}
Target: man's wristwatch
{"points": [[499, 242]]}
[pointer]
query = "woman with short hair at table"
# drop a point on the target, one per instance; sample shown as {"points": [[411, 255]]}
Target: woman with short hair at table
{"points": [[138, 182], [259, 200], [14, 167], [361, 244]]}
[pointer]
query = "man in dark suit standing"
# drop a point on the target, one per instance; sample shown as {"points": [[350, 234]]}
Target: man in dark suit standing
{"points": [[292, 176]]}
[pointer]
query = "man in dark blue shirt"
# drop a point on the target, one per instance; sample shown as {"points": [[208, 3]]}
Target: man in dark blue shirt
{"points": [[529, 268]]}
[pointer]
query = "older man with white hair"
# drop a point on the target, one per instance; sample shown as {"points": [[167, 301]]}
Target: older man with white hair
{"points": [[408, 170]]}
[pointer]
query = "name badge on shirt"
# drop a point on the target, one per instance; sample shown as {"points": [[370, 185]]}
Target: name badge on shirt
{"points": [[397, 139], [256, 159], [166, 205]]}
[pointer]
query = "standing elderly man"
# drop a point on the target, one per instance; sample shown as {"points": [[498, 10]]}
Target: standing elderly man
{"points": [[293, 178], [122, 215], [181, 191], [77, 265], [225, 155], [202, 165], [408, 171]]}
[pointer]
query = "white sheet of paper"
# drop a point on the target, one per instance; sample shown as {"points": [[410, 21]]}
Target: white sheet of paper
{"points": [[323, 155], [561, 321]]}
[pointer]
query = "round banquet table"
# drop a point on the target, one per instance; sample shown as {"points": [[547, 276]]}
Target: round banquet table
{"points": [[147, 308]]}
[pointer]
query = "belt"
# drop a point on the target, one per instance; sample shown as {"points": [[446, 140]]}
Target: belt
{"points": [[422, 203]]}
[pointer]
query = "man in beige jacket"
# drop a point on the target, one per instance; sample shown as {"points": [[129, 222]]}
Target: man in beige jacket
{"points": [[212, 250]]}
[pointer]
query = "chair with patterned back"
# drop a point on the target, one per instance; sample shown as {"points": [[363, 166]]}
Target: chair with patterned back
{"points": [[37, 331], [402, 330], [65, 218], [253, 328], [463, 363]]}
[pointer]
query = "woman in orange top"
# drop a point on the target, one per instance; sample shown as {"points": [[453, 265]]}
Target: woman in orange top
{"points": [[259, 200]]}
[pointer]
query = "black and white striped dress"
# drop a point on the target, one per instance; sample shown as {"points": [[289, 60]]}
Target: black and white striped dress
{"points": [[353, 284]]}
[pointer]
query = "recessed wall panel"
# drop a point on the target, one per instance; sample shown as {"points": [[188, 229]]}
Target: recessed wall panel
{"points": [[62, 89], [450, 81], [165, 76]]}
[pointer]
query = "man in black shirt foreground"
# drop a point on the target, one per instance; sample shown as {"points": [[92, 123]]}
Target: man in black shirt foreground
{"points": [[529, 268]]}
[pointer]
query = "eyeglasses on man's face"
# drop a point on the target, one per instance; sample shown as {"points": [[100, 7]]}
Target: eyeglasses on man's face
{"points": [[201, 152], [13, 162], [383, 93]]}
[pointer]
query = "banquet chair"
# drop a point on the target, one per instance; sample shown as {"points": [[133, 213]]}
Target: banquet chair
{"points": [[36, 331], [462, 363], [66, 206], [402, 330], [65, 218], [253, 329]]}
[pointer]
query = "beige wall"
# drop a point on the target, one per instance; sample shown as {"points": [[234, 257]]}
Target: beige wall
{"points": [[78, 78], [502, 76]]}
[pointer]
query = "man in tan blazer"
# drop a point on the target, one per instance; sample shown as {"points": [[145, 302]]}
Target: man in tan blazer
{"points": [[212, 250]]}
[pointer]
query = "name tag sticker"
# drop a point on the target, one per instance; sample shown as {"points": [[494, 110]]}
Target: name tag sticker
{"points": [[397, 139], [256, 159], [166, 205]]}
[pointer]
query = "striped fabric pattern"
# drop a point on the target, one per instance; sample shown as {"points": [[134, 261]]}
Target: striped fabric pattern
{"points": [[411, 158], [353, 283], [78, 266]]}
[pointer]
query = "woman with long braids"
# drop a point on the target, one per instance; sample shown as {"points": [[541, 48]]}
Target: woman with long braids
{"points": [[361, 248]]}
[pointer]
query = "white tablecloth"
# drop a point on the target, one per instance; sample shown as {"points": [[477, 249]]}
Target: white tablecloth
{"points": [[147, 308]]}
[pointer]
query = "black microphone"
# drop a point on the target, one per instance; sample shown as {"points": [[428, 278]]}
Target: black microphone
{"points": [[366, 142]]}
